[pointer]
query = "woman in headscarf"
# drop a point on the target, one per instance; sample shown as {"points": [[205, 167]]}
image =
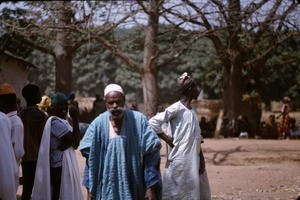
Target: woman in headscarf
{"points": [[284, 126]]}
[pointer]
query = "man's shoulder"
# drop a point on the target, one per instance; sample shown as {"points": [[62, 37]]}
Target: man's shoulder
{"points": [[16, 119], [136, 114], [55, 120], [100, 117], [4, 117], [175, 106], [5, 121], [32, 113], [59, 124], [33, 109]]}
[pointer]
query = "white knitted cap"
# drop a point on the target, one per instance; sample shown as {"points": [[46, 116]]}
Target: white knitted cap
{"points": [[113, 88]]}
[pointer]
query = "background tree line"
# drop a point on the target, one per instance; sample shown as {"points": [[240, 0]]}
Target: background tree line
{"points": [[230, 47]]}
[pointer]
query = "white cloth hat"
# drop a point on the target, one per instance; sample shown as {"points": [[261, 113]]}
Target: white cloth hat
{"points": [[113, 88]]}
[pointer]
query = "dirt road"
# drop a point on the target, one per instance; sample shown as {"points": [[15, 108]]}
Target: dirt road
{"points": [[253, 169], [247, 168]]}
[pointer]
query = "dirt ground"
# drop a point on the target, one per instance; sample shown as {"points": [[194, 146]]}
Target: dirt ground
{"points": [[253, 169], [246, 169]]}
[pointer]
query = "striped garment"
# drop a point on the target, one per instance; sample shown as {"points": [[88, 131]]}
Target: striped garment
{"points": [[116, 164]]}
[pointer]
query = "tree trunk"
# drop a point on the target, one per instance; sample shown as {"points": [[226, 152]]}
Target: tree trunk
{"points": [[63, 65], [64, 52], [150, 72], [232, 91], [233, 83], [150, 92]]}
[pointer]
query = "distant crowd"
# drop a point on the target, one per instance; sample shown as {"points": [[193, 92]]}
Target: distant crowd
{"points": [[282, 126]]}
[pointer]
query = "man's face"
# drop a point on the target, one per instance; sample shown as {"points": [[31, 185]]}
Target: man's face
{"points": [[61, 109], [194, 91], [115, 103]]}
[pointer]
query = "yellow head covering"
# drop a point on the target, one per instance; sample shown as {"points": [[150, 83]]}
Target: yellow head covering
{"points": [[45, 102]]}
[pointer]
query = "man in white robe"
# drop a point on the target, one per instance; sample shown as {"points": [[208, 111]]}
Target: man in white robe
{"points": [[8, 105], [185, 175], [8, 165]]}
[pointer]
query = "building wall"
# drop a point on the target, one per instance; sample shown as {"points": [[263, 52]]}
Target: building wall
{"points": [[13, 73]]}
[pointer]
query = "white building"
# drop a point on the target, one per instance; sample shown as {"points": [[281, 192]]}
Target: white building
{"points": [[14, 71]]}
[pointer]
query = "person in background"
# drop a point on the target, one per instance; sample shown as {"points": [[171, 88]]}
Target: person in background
{"points": [[185, 175], [44, 104], [57, 167], [131, 106], [71, 104], [160, 108], [242, 127], [206, 128], [8, 166], [122, 151], [19, 107], [8, 105], [270, 128], [71, 100], [33, 120], [98, 106], [284, 125], [227, 129]]}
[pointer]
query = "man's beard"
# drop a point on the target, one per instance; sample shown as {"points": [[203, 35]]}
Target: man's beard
{"points": [[117, 113]]}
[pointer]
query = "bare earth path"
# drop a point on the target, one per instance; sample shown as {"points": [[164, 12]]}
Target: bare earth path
{"points": [[253, 169], [247, 169]]}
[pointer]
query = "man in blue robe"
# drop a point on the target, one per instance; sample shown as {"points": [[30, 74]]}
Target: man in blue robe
{"points": [[124, 156]]}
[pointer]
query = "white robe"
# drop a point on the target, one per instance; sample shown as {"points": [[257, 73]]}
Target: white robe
{"points": [[17, 138], [181, 179], [8, 165], [70, 181]]}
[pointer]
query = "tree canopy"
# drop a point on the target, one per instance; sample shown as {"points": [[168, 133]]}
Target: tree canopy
{"points": [[230, 47]]}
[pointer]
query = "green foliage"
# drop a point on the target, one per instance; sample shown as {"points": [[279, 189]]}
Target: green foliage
{"points": [[44, 75], [280, 78], [93, 68], [131, 83], [204, 67]]}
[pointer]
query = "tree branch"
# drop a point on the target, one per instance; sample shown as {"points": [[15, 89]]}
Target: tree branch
{"points": [[221, 9], [112, 48], [206, 23], [40, 48], [284, 15], [264, 26], [260, 57]]}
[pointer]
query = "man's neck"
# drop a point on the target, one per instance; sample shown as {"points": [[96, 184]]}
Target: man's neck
{"points": [[116, 124], [186, 102]]}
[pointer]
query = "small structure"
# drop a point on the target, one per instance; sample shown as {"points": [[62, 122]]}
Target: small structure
{"points": [[14, 71]]}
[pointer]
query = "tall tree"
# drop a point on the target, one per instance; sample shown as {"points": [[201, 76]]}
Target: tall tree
{"points": [[64, 50], [149, 71], [145, 16], [244, 35]]}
